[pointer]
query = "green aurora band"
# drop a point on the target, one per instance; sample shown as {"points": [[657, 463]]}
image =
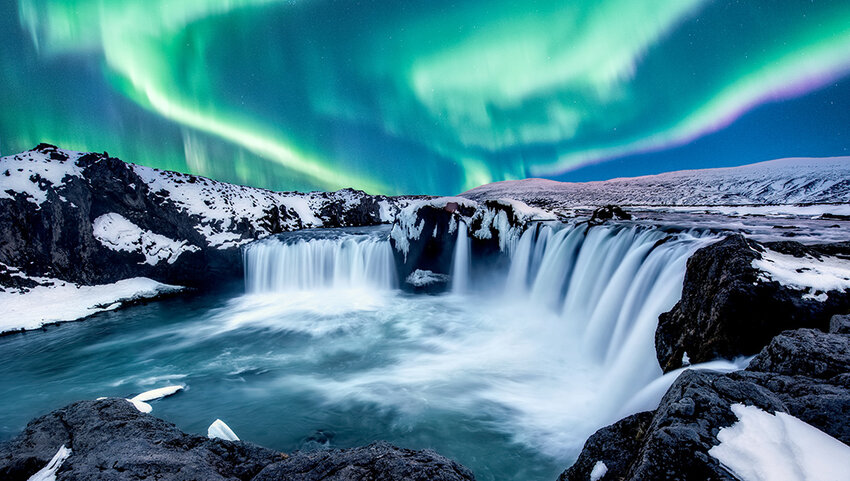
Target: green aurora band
{"points": [[419, 96]]}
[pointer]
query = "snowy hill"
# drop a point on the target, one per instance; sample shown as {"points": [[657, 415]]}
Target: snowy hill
{"points": [[775, 182]]}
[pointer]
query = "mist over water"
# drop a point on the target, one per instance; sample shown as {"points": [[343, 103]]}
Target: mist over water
{"points": [[509, 377]]}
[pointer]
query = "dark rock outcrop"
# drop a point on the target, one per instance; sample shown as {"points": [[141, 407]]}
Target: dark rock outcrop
{"points": [[729, 309], [608, 212], [426, 240], [110, 440], [376, 462], [803, 373]]}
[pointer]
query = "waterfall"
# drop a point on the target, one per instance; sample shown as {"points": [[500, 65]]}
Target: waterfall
{"points": [[552, 347], [337, 262], [608, 285], [460, 261]]}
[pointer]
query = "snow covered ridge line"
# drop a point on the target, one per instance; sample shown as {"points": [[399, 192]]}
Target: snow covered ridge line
{"points": [[225, 215], [776, 182]]}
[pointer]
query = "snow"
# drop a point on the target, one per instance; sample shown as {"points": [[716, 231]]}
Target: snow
{"points": [[119, 234], [784, 181], [48, 473], [769, 447], [56, 301], [817, 276], [420, 277], [21, 173], [218, 429], [159, 393], [598, 471], [142, 406]]}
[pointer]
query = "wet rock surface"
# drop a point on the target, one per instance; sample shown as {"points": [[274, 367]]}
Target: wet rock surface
{"points": [[110, 440]]}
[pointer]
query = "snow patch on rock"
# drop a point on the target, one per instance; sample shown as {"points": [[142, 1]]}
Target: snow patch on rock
{"points": [[119, 234], [598, 471], [817, 276], [48, 473], [765, 447], [218, 429], [421, 278], [30, 172]]}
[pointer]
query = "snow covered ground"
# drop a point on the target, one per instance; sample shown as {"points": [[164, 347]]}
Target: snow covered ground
{"points": [[56, 301], [817, 276], [784, 182]]}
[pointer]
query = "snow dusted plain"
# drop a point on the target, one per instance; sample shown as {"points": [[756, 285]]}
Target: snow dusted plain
{"points": [[782, 182], [773, 447]]}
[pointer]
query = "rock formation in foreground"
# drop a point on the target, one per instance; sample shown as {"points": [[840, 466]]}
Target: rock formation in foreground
{"points": [[805, 373], [110, 439]]}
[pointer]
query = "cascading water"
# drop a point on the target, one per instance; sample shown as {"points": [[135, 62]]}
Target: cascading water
{"points": [[579, 310], [461, 260], [339, 261]]}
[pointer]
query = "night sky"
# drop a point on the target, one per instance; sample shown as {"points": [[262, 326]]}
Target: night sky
{"points": [[426, 96]]}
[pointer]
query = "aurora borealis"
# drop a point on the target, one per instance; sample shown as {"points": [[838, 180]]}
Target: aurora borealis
{"points": [[426, 96]]}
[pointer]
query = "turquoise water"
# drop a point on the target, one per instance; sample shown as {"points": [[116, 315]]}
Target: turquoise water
{"points": [[288, 387]]}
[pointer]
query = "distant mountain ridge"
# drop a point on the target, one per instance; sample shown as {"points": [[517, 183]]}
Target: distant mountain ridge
{"points": [[781, 181]]}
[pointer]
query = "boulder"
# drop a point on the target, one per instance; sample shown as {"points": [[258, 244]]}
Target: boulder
{"points": [[110, 439], [729, 308], [376, 462]]}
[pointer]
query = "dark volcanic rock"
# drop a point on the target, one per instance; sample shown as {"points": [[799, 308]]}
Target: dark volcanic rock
{"points": [[110, 439], [840, 324], [728, 309], [615, 445], [608, 212], [376, 462], [806, 352], [430, 236]]}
